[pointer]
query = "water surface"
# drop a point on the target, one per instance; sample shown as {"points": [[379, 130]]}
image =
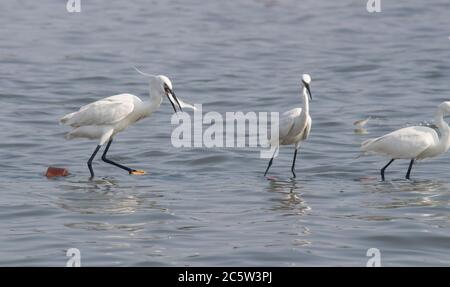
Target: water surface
{"points": [[211, 207]]}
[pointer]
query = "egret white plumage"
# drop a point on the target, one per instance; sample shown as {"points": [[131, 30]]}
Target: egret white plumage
{"points": [[414, 143], [105, 118], [295, 125]]}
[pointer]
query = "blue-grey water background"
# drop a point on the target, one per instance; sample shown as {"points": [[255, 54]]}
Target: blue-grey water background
{"points": [[212, 207]]}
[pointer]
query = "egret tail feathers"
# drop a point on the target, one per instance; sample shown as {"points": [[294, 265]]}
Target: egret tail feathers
{"points": [[65, 120], [365, 145]]}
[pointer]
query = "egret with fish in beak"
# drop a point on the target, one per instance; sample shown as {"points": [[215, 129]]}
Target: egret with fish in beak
{"points": [[105, 118]]}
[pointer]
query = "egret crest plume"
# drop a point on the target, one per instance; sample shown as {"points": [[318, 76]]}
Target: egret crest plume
{"points": [[142, 73]]}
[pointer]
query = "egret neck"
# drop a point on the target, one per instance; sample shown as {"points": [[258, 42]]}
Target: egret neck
{"points": [[305, 101], [444, 141], [156, 97]]}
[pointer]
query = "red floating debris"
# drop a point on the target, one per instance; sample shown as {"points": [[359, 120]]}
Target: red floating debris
{"points": [[56, 171]]}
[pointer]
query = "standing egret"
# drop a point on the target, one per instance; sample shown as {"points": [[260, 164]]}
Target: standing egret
{"points": [[295, 125], [105, 118], [413, 143]]}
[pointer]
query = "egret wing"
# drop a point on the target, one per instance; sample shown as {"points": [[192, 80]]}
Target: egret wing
{"points": [[307, 128], [403, 143], [286, 124], [103, 112]]}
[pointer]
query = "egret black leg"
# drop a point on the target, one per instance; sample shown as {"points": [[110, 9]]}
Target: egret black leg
{"points": [[271, 160], [111, 162], [382, 170], [293, 163], [89, 163], [409, 169]]}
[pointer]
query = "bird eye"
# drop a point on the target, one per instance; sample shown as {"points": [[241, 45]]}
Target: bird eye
{"points": [[166, 88]]}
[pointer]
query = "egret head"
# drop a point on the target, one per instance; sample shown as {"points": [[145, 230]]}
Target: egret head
{"points": [[444, 107], [306, 80], [165, 81], [164, 86]]}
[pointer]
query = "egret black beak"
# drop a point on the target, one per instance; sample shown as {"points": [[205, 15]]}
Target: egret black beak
{"points": [[172, 98], [309, 90]]}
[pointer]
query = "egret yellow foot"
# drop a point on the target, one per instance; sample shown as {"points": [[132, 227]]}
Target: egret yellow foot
{"points": [[137, 172]]}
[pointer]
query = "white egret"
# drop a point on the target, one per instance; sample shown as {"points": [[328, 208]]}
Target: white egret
{"points": [[295, 125], [414, 143], [105, 118]]}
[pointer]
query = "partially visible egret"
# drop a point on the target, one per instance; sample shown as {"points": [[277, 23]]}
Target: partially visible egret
{"points": [[414, 143], [362, 123], [105, 118], [295, 125], [360, 126]]}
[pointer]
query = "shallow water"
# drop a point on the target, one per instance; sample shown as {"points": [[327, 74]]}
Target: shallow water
{"points": [[212, 207]]}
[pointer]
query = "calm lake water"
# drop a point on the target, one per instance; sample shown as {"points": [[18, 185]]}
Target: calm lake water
{"points": [[212, 207]]}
